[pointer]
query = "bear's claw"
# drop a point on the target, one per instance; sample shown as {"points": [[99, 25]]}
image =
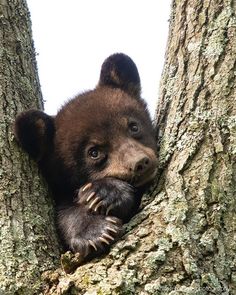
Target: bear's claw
{"points": [[101, 233], [106, 196], [93, 245], [86, 186], [111, 229], [112, 220], [89, 198]]}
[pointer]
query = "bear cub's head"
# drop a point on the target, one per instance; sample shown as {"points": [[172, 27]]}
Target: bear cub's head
{"points": [[105, 132]]}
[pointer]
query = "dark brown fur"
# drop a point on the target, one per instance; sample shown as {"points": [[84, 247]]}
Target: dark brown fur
{"points": [[97, 155]]}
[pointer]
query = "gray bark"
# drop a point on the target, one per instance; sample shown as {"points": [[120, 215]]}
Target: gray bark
{"points": [[28, 243], [183, 242]]}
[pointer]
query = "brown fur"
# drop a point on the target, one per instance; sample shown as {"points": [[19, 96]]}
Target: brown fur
{"points": [[94, 115], [103, 137]]}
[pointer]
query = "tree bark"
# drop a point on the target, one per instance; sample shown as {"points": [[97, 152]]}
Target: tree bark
{"points": [[28, 243], [183, 241]]}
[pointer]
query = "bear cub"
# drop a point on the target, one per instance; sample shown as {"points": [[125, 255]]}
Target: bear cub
{"points": [[97, 155]]}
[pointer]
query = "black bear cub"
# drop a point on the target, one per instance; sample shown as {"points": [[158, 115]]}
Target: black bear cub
{"points": [[97, 155]]}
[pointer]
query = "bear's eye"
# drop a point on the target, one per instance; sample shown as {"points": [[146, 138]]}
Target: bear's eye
{"points": [[134, 127], [94, 153]]}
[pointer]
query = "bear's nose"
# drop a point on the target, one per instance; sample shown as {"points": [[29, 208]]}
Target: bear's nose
{"points": [[142, 166]]}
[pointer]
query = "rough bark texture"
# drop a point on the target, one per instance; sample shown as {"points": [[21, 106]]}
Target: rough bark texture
{"points": [[183, 242], [28, 242]]}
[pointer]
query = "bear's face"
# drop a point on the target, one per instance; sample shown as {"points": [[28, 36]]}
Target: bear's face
{"points": [[106, 132]]}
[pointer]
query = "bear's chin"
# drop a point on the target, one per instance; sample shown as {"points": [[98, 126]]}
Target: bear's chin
{"points": [[143, 180]]}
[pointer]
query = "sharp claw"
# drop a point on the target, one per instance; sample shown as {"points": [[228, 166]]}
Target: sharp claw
{"points": [[93, 244], [111, 229], [108, 236], [109, 209], [111, 220], [90, 197], [94, 202], [86, 186], [104, 240], [98, 205], [77, 254]]}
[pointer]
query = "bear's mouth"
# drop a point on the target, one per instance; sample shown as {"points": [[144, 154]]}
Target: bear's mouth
{"points": [[134, 179], [139, 180]]}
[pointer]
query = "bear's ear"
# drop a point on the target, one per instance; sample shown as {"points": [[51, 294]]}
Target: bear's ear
{"points": [[119, 71], [34, 130]]}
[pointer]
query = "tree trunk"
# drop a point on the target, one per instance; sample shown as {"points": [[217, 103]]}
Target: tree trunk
{"points": [[184, 240], [28, 243]]}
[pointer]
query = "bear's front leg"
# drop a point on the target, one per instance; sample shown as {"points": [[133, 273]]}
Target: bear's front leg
{"points": [[109, 196], [86, 233]]}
